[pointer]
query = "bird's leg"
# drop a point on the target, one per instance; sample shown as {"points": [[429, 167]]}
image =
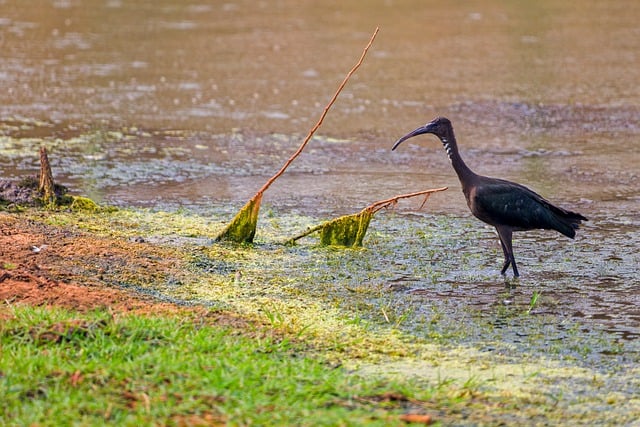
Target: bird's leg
{"points": [[507, 259], [513, 264], [506, 235]]}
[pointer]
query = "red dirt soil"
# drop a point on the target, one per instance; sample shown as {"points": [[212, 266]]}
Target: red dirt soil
{"points": [[35, 269]]}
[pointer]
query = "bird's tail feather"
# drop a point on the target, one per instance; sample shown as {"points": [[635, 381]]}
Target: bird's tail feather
{"points": [[568, 222]]}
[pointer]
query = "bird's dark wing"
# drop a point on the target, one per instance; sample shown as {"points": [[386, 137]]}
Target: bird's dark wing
{"points": [[500, 202]]}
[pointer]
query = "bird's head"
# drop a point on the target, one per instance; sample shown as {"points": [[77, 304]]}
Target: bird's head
{"points": [[440, 127]]}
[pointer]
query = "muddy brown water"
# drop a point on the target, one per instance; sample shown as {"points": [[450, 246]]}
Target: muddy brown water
{"points": [[195, 104]]}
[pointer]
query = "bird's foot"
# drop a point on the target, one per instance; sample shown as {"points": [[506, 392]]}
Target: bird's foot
{"points": [[509, 261]]}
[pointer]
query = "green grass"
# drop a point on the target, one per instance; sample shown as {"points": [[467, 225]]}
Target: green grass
{"points": [[66, 368]]}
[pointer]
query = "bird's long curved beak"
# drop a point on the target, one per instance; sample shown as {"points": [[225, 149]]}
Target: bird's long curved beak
{"points": [[421, 130]]}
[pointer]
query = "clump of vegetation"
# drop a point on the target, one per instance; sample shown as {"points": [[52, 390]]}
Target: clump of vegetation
{"points": [[243, 226], [79, 203], [348, 230]]}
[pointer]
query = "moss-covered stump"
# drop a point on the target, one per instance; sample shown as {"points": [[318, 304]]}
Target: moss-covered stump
{"points": [[46, 185], [24, 193], [41, 192]]}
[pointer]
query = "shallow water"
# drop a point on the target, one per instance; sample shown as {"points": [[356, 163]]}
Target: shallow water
{"points": [[189, 104]]}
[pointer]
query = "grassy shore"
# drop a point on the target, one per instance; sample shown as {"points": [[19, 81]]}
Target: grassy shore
{"points": [[268, 334], [60, 367]]}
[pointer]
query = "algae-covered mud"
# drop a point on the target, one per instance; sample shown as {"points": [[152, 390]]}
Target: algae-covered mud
{"points": [[187, 108]]}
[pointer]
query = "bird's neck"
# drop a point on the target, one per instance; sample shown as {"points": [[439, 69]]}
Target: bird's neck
{"points": [[465, 174]]}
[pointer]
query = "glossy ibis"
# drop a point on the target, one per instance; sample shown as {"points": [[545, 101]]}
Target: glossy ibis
{"points": [[506, 205]]}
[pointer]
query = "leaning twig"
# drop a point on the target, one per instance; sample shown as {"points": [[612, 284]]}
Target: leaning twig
{"points": [[243, 226], [375, 207], [322, 116], [349, 230]]}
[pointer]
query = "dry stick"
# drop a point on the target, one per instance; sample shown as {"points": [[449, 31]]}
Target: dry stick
{"points": [[306, 233], [242, 227], [375, 207], [324, 113]]}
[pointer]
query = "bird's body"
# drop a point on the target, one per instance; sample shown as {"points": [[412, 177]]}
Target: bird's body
{"points": [[506, 205]]}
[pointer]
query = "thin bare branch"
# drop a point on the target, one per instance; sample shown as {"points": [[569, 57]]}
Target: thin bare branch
{"points": [[371, 209], [324, 113], [375, 207]]}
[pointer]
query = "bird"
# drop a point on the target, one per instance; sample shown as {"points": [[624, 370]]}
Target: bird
{"points": [[506, 205]]}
